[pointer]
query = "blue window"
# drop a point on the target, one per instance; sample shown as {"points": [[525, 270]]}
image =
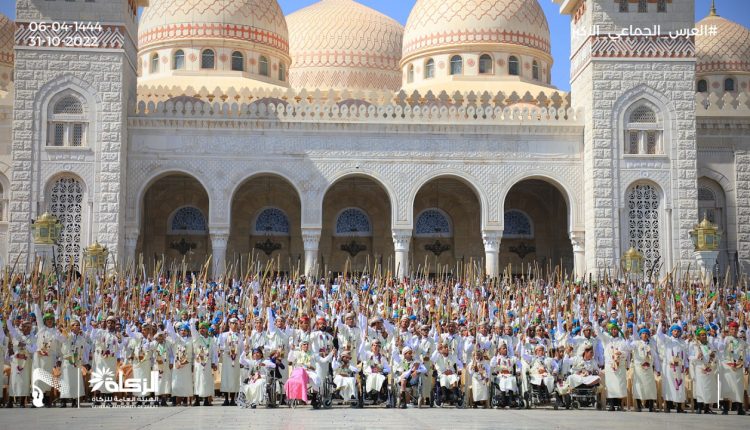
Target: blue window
{"points": [[272, 221], [517, 224], [353, 222], [432, 222], [188, 219]]}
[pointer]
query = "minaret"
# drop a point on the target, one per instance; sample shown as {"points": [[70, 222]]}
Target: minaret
{"points": [[75, 74], [636, 86]]}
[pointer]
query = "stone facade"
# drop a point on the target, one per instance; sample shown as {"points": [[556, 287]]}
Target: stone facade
{"points": [[564, 161], [605, 88]]}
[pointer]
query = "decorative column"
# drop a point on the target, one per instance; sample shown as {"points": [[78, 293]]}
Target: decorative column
{"points": [[311, 241], [492, 251], [577, 239], [131, 242], [401, 240], [219, 240]]}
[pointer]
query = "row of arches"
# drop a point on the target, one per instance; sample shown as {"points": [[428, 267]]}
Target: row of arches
{"points": [[356, 227]]}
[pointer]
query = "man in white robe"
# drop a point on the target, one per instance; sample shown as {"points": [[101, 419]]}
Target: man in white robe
{"points": [[615, 364], [230, 347], [704, 360], [674, 365], [205, 359], [345, 379], [646, 365], [734, 362]]}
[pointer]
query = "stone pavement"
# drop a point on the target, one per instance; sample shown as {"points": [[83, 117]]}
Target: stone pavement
{"points": [[303, 418]]}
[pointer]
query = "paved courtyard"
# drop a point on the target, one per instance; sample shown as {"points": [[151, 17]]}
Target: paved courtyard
{"points": [[221, 418]]}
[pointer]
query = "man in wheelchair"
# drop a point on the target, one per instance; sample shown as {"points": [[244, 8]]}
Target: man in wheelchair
{"points": [[376, 369], [259, 373], [542, 372], [448, 368], [346, 379], [505, 369], [304, 358], [409, 374], [583, 382]]}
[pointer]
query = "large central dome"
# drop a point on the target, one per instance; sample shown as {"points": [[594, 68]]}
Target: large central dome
{"points": [[342, 44], [435, 24]]}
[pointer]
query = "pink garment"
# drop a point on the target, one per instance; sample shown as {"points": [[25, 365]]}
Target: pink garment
{"points": [[296, 387]]}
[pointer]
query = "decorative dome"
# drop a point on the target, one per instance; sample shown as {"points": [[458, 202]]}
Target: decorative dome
{"points": [[343, 44], [259, 22], [439, 24], [728, 50]]}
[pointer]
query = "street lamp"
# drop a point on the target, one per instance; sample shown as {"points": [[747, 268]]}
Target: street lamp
{"points": [[632, 260], [95, 256], [45, 230], [706, 237]]}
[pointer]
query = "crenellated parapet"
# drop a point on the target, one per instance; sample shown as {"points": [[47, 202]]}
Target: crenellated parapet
{"points": [[338, 106], [722, 104]]}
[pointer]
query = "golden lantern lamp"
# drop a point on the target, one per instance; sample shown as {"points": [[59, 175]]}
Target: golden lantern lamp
{"points": [[95, 255], [632, 260], [46, 229], [705, 235]]}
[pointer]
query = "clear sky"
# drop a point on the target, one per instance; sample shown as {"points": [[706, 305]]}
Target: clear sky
{"points": [[559, 24]]}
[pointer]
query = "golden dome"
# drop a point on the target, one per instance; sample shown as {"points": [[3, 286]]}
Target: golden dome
{"points": [[344, 44], [728, 50], [438, 24], [258, 22]]}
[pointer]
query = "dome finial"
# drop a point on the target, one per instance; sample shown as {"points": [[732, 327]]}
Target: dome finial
{"points": [[713, 9]]}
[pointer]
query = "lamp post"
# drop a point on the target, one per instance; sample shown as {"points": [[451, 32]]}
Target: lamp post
{"points": [[632, 262], [706, 237], [95, 256], [46, 230]]}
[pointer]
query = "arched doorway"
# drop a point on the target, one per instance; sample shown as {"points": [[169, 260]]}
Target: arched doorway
{"points": [[643, 226], [175, 224], [447, 226], [265, 224], [65, 200], [535, 228], [356, 226], [712, 205]]}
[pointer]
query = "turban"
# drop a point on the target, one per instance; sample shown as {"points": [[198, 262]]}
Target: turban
{"points": [[405, 350], [644, 330], [675, 327], [734, 324], [205, 325], [699, 331], [48, 316]]}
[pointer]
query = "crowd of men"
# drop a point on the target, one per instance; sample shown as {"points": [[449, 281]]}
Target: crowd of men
{"points": [[667, 345]]}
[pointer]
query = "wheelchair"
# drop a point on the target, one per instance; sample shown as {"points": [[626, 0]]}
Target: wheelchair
{"points": [[272, 395], [499, 399], [584, 396], [315, 397], [413, 392], [538, 395], [452, 396], [374, 398]]}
